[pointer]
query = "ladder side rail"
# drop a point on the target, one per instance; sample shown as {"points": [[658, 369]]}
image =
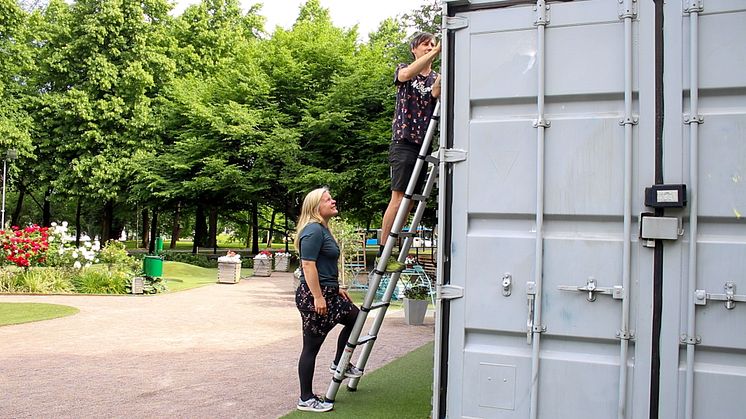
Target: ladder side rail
{"points": [[394, 280], [401, 217]]}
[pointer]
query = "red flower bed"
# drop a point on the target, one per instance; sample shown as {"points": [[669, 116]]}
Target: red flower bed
{"points": [[25, 247]]}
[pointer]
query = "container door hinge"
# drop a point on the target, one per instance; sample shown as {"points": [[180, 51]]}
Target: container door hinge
{"points": [[691, 6], [452, 155], [696, 119], [450, 292], [456, 22], [730, 297], [688, 340], [625, 335], [627, 9], [592, 288], [542, 13]]}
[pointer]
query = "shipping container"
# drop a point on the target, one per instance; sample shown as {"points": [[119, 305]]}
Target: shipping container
{"points": [[591, 210]]}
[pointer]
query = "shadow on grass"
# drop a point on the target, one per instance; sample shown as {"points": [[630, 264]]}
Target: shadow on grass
{"points": [[401, 389]]}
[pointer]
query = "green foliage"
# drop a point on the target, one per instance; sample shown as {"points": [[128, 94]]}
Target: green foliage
{"points": [[417, 292], [115, 256], [201, 260], [131, 109], [150, 285], [97, 281], [37, 280]]}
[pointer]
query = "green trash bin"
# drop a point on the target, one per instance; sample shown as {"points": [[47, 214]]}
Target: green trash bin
{"points": [[153, 266], [158, 245]]}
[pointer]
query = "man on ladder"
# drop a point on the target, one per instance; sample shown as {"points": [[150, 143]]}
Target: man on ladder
{"points": [[417, 90]]}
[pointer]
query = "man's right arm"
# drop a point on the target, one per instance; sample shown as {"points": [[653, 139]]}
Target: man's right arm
{"points": [[409, 72]]}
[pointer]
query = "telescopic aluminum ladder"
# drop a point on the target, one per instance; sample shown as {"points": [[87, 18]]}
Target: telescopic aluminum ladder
{"points": [[368, 306]]}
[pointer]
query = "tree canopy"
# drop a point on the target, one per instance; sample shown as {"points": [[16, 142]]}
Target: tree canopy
{"points": [[120, 112]]}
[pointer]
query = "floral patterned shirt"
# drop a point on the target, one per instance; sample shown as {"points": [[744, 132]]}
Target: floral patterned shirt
{"points": [[414, 107]]}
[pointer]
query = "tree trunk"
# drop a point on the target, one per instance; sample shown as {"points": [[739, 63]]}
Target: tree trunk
{"points": [[145, 229], [254, 228], [286, 233], [200, 228], [176, 228], [213, 239], [46, 211], [271, 231], [107, 221], [153, 231], [248, 230], [19, 206], [78, 210]]}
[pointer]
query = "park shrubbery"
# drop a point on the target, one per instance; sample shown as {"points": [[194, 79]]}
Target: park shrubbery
{"points": [[202, 260], [45, 260]]}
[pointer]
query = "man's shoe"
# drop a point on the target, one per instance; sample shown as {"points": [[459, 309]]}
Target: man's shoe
{"points": [[351, 372], [393, 265], [314, 404]]}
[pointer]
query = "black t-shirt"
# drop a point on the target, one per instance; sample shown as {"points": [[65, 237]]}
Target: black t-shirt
{"points": [[317, 244], [414, 107]]}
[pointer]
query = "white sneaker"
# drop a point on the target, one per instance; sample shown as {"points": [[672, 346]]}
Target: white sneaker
{"points": [[314, 404], [351, 372]]}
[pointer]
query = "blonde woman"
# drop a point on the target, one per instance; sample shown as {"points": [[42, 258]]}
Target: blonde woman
{"points": [[320, 300]]}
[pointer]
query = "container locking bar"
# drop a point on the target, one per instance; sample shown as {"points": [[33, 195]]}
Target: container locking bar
{"points": [[592, 288], [730, 297]]}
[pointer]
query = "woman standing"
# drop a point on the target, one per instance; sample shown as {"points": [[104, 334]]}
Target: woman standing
{"points": [[320, 300]]}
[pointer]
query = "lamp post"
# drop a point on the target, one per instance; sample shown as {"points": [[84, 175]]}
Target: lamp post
{"points": [[11, 154]]}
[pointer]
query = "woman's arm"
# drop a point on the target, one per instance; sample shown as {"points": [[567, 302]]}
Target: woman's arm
{"points": [[311, 274]]}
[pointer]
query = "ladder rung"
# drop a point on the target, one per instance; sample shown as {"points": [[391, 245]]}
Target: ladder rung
{"points": [[419, 197], [405, 234], [378, 305], [365, 339], [432, 159]]}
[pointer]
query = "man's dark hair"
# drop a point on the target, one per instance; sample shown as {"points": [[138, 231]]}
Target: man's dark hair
{"points": [[419, 38]]}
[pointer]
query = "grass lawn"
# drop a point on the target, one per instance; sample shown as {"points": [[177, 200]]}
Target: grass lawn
{"points": [[401, 389], [17, 313], [183, 276]]}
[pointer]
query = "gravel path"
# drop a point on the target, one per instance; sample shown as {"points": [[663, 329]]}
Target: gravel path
{"points": [[217, 351]]}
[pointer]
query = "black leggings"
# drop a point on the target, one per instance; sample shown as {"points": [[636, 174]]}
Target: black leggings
{"points": [[311, 347]]}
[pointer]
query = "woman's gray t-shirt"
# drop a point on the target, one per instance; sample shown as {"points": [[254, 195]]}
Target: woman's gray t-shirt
{"points": [[317, 244]]}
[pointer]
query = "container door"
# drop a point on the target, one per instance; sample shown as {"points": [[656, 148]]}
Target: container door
{"points": [[543, 235], [703, 342]]}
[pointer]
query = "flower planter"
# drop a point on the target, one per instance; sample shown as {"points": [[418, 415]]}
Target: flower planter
{"points": [[229, 272], [414, 311], [282, 262], [262, 266]]}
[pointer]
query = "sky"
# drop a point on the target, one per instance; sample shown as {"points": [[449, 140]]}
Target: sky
{"points": [[345, 13]]}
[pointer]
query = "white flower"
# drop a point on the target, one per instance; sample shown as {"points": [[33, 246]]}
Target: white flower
{"points": [[61, 250], [77, 265], [64, 224], [54, 224], [96, 246], [75, 255]]}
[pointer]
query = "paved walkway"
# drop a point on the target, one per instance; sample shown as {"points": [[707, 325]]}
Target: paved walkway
{"points": [[216, 351]]}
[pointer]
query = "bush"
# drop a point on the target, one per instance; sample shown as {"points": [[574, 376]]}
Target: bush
{"points": [[38, 280], [201, 260], [97, 281], [116, 257], [417, 292]]}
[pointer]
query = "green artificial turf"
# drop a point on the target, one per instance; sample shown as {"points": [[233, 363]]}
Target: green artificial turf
{"points": [[16, 313], [401, 389]]}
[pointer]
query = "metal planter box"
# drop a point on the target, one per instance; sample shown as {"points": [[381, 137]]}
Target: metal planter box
{"points": [[262, 266], [229, 272]]}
